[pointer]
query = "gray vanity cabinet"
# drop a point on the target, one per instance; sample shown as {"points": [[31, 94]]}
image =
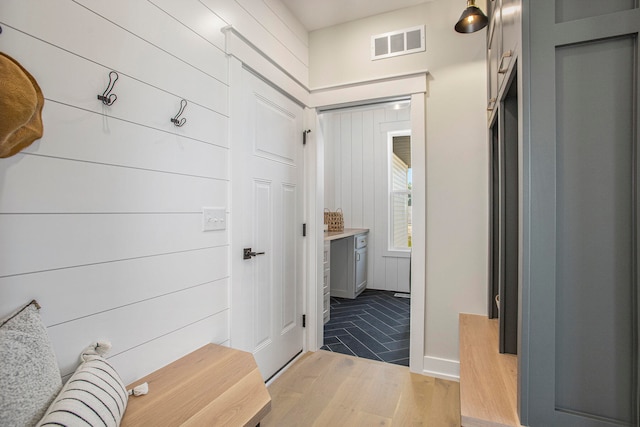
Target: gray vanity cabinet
{"points": [[349, 266]]}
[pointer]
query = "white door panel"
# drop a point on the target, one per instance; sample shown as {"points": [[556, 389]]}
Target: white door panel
{"points": [[276, 124]]}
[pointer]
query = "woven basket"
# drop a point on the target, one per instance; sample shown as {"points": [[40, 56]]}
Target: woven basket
{"points": [[335, 220]]}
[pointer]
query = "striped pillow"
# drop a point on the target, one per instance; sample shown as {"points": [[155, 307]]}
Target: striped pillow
{"points": [[93, 396]]}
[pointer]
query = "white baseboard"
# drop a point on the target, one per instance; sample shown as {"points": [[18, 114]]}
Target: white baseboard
{"points": [[442, 368]]}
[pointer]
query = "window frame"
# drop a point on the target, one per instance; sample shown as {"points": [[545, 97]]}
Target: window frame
{"points": [[390, 249]]}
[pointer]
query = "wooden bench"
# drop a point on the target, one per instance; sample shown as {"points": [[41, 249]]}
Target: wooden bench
{"points": [[213, 386], [488, 379]]}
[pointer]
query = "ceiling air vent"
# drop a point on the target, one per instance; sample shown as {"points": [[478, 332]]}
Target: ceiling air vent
{"points": [[402, 42]]}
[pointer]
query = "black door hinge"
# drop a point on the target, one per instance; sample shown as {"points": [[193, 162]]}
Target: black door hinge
{"points": [[304, 230], [304, 136], [304, 320]]}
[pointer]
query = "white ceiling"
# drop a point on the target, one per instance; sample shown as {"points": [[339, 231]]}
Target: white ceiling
{"points": [[315, 14]]}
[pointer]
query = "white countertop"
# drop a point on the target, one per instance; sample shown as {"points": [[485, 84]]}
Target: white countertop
{"points": [[334, 235]]}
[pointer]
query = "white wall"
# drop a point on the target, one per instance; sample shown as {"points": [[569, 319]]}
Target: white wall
{"points": [[356, 167], [100, 220], [457, 182], [456, 154], [342, 53]]}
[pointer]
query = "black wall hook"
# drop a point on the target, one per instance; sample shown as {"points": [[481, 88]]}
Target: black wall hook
{"points": [[177, 120], [107, 97]]}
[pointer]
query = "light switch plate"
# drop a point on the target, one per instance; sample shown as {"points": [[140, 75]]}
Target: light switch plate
{"points": [[214, 219]]}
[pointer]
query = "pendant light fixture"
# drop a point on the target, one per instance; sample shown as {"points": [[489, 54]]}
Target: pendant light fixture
{"points": [[472, 19]]}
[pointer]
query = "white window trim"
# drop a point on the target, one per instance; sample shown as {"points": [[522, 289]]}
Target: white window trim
{"points": [[389, 250]]}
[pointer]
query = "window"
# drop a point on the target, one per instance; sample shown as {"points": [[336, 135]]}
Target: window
{"points": [[400, 191]]}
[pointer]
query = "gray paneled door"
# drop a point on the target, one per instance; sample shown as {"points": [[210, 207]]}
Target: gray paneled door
{"points": [[580, 213]]}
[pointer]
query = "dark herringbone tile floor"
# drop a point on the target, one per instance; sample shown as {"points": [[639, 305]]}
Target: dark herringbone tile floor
{"points": [[373, 326]]}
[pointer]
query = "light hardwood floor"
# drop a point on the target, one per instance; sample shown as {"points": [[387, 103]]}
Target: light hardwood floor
{"points": [[331, 389]]}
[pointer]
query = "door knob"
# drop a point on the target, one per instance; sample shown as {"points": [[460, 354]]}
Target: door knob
{"points": [[248, 254]]}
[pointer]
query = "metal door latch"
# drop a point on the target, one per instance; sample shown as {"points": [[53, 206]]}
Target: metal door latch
{"points": [[248, 254]]}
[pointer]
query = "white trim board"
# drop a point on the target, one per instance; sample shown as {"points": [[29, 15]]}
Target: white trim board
{"points": [[238, 46], [417, 348], [362, 92], [441, 368], [394, 76]]}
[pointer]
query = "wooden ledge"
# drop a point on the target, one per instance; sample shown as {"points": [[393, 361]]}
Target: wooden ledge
{"points": [[214, 385], [488, 379]]}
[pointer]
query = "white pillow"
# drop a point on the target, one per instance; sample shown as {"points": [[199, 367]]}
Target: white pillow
{"points": [[94, 395], [29, 373]]}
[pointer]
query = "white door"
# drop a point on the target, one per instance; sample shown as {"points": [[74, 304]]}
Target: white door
{"points": [[267, 207]]}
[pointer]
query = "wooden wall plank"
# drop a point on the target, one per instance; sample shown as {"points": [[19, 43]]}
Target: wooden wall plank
{"points": [[252, 29], [404, 270], [378, 234], [404, 114], [128, 326], [326, 127], [112, 284], [296, 27], [278, 28], [32, 243], [146, 358], [337, 162], [186, 81], [75, 134], [137, 102], [179, 42], [368, 188], [196, 17], [346, 173], [32, 185], [357, 166], [391, 271]]}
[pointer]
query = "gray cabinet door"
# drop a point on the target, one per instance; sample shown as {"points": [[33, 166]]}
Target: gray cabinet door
{"points": [[579, 302], [494, 50], [361, 270], [509, 222]]}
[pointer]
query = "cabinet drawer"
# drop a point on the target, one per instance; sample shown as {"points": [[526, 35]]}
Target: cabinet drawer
{"points": [[326, 308], [327, 254], [494, 39], [510, 34], [326, 281], [361, 241]]}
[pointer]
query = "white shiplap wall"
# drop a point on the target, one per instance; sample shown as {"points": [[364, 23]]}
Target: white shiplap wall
{"points": [[101, 220], [271, 28], [356, 180]]}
